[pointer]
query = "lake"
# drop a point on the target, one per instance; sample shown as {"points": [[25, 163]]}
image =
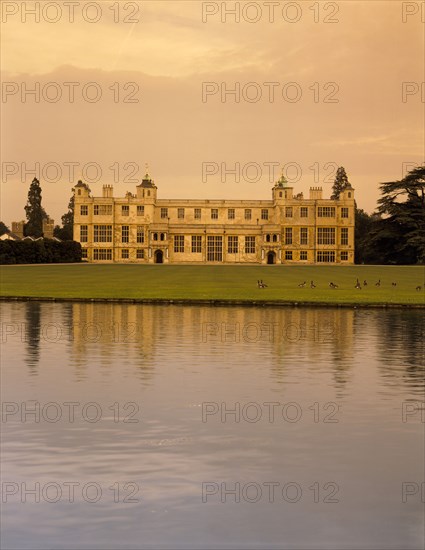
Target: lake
{"points": [[170, 427]]}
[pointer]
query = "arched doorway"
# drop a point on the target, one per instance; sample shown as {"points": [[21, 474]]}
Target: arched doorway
{"points": [[271, 257], [159, 257]]}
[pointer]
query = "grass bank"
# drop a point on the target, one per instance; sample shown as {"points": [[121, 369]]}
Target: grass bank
{"points": [[217, 283]]}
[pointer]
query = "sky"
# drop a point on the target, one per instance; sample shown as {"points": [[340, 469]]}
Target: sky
{"points": [[215, 98]]}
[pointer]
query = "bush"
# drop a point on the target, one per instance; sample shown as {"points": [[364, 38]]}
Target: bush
{"points": [[45, 251]]}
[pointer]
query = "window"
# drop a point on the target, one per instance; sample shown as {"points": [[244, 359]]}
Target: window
{"points": [[232, 245], [344, 256], [84, 253], [180, 213], [102, 210], [196, 244], [214, 213], [178, 243], [164, 213], [288, 212], [325, 256], [249, 245], [84, 210], [140, 210], [303, 235], [264, 214], [304, 212], [140, 235], [344, 235], [102, 254], [231, 214], [154, 236], [125, 233], [125, 254], [83, 233], [326, 211], [349, 194], [162, 237], [214, 248], [125, 210], [267, 238], [102, 234], [275, 238], [326, 235], [344, 212], [303, 255], [288, 254], [248, 213], [140, 254], [197, 214], [288, 235]]}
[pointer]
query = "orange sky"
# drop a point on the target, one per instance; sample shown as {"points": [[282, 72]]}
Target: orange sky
{"points": [[160, 55]]}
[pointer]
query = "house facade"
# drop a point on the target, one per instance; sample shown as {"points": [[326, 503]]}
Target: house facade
{"points": [[288, 229]]}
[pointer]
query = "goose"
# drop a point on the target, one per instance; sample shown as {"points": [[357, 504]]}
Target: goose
{"points": [[394, 284], [418, 288], [302, 285], [358, 285], [378, 283], [333, 285], [365, 283], [312, 285]]}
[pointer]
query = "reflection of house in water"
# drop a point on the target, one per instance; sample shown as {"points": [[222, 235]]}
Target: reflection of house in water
{"points": [[116, 331], [272, 338]]}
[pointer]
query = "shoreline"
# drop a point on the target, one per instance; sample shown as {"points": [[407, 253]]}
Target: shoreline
{"points": [[214, 302]]}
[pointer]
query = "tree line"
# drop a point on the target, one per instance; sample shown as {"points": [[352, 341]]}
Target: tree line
{"points": [[393, 234]]}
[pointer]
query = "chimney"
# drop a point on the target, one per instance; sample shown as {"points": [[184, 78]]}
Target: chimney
{"points": [[315, 193], [108, 191]]}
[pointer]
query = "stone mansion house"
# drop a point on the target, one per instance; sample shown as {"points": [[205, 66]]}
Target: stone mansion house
{"points": [[288, 229]]}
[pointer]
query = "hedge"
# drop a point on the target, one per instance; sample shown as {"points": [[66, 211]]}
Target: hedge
{"points": [[46, 251]]}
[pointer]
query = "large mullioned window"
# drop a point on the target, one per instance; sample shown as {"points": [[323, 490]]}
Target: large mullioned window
{"points": [[232, 244], [326, 235], [178, 243], [102, 234], [214, 248]]}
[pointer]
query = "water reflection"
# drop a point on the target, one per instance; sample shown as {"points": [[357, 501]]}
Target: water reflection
{"points": [[170, 361], [141, 335]]}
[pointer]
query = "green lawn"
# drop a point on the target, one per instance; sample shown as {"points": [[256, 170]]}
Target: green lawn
{"points": [[174, 282]]}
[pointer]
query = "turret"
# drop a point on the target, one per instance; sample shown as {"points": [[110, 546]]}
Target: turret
{"points": [[81, 190], [347, 193], [281, 190], [147, 189]]}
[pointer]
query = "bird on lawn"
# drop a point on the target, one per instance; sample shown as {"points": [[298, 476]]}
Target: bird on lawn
{"points": [[263, 285], [378, 283], [394, 284], [333, 285], [302, 285], [312, 285], [358, 285], [365, 283], [418, 288]]}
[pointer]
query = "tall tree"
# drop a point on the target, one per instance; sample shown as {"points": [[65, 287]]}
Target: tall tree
{"points": [[402, 207], [65, 233], [340, 183], [3, 228], [34, 211]]}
